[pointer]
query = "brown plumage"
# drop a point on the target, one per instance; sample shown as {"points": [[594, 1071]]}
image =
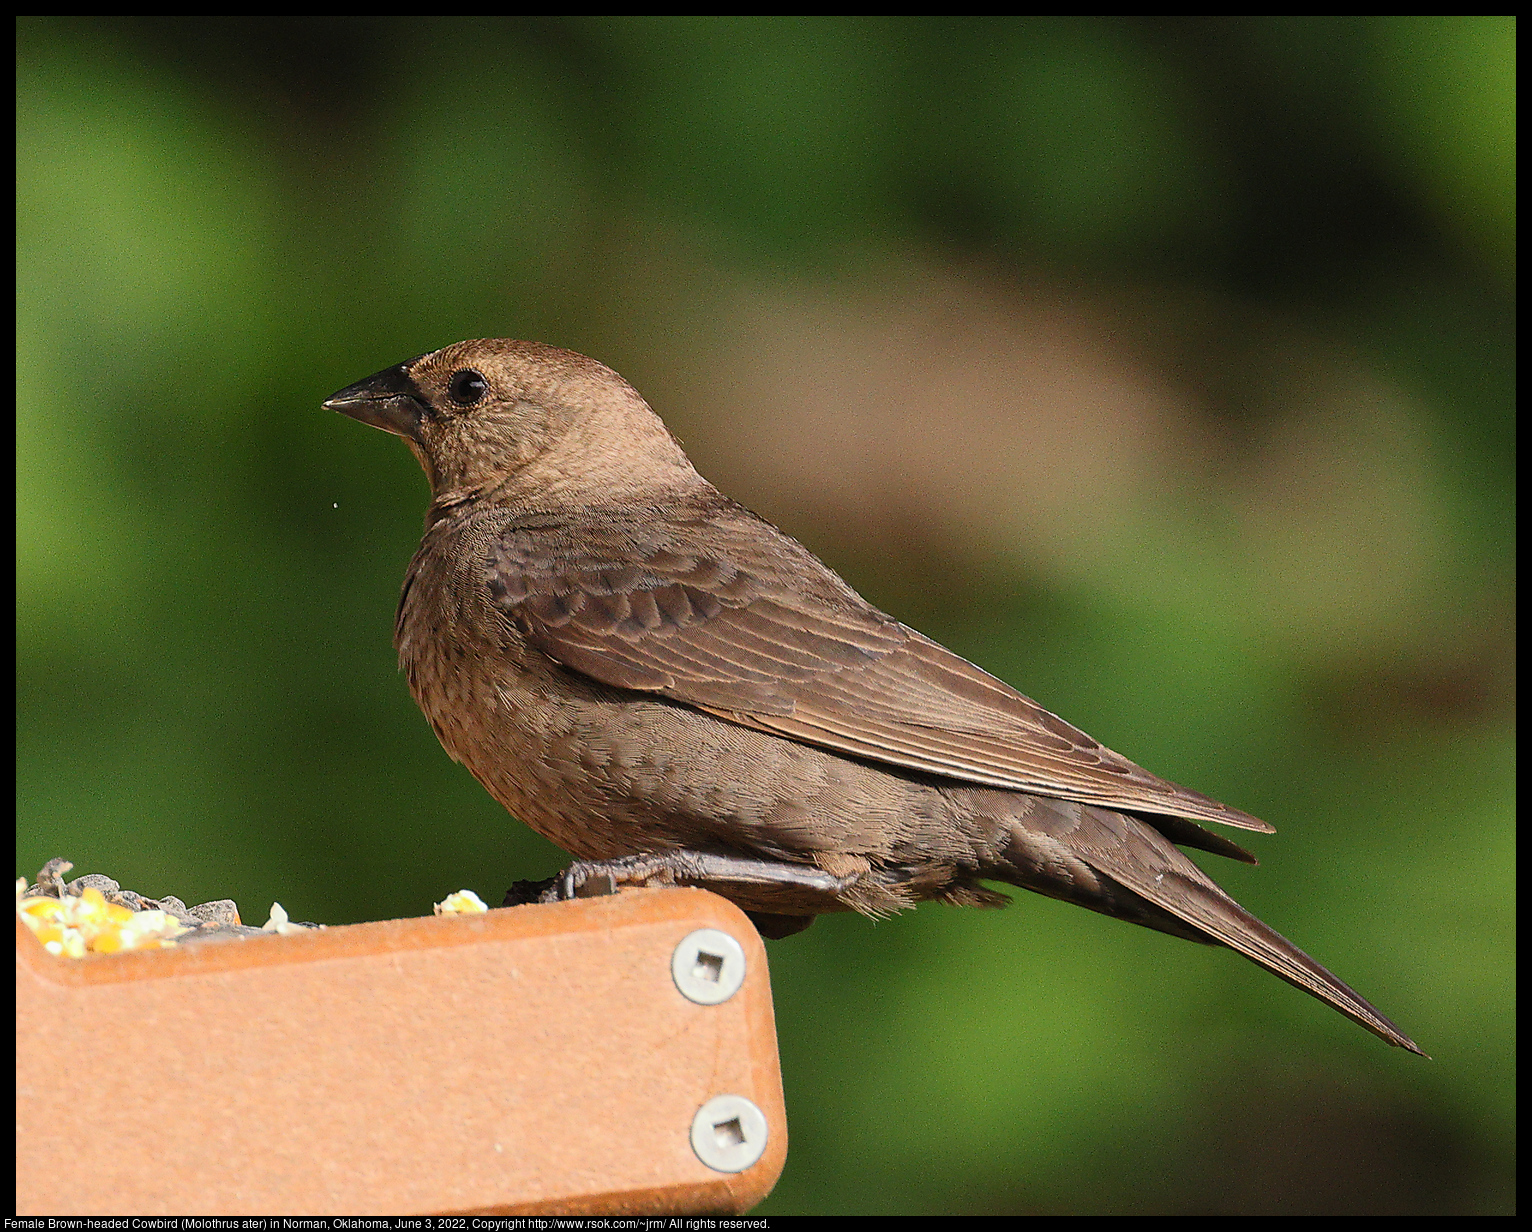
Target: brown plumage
{"points": [[673, 690]]}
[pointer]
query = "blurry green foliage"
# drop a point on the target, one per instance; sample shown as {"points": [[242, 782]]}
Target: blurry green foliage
{"points": [[220, 221], [1444, 100]]}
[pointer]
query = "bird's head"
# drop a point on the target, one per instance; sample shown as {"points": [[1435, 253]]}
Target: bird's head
{"points": [[519, 423]]}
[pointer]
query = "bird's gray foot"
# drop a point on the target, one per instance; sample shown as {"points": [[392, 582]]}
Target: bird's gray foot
{"points": [[780, 898], [593, 878]]}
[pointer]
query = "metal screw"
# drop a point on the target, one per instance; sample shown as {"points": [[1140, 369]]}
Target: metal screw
{"points": [[708, 966], [729, 1133]]}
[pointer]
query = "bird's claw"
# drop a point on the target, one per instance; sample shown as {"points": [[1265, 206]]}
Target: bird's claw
{"points": [[597, 879], [586, 881]]}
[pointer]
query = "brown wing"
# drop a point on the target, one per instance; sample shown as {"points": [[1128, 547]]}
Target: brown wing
{"points": [[719, 610]]}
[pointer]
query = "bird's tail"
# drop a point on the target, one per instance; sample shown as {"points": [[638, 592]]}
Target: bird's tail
{"points": [[1122, 866]]}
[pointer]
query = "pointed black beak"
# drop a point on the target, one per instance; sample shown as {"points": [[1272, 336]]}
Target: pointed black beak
{"points": [[389, 400]]}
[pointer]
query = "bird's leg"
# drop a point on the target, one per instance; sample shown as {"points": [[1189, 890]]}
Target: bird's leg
{"points": [[592, 878]]}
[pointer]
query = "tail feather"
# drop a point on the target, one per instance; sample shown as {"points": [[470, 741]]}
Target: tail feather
{"points": [[1129, 854], [1210, 909]]}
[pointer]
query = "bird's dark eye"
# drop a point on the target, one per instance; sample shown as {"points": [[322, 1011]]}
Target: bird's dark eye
{"points": [[467, 387]]}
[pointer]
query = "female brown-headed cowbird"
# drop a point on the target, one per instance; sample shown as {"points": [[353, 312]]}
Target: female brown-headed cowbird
{"points": [[675, 692]]}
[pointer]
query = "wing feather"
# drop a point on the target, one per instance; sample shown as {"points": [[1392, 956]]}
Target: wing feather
{"points": [[716, 609]]}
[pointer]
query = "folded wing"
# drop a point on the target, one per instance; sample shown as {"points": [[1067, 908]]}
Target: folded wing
{"points": [[708, 610]]}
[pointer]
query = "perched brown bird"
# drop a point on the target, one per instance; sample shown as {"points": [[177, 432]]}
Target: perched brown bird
{"points": [[674, 691]]}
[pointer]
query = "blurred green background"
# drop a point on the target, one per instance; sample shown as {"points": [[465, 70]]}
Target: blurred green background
{"points": [[1164, 366]]}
